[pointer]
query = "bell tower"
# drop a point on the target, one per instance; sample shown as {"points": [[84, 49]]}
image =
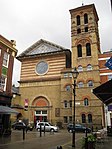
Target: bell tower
{"points": [[85, 49]]}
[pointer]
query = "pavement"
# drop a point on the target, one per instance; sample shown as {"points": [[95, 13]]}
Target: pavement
{"points": [[106, 143]]}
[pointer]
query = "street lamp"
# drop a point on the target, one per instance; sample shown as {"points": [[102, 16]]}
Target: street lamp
{"points": [[74, 76]]}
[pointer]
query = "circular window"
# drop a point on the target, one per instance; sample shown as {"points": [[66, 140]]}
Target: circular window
{"points": [[41, 67]]}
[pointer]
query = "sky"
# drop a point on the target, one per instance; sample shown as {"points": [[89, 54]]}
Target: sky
{"points": [[28, 21]]}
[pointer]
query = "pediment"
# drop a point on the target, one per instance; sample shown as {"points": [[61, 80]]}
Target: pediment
{"points": [[41, 47]]}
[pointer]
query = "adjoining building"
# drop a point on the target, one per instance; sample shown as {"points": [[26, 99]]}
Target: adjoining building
{"points": [[104, 91], [7, 54]]}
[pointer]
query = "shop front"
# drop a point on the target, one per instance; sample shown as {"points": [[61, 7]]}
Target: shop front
{"points": [[5, 123]]}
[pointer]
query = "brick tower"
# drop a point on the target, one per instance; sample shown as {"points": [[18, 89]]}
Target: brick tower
{"points": [[85, 49]]}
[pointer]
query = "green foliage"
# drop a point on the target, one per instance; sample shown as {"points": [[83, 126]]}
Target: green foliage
{"points": [[91, 139]]}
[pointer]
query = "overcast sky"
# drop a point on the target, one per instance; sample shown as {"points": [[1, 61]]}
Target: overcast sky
{"points": [[28, 21]]}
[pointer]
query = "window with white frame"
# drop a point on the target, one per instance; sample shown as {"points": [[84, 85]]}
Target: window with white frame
{"points": [[68, 88], [89, 67], [70, 75], [109, 77], [80, 84], [2, 83], [80, 68], [86, 102], [90, 83], [6, 59], [65, 75]]}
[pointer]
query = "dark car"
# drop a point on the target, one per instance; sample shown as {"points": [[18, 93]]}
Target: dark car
{"points": [[18, 125], [78, 128], [21, 125]]}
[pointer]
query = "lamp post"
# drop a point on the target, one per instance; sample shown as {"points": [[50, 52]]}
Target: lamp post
{"points": [[74, 76]]}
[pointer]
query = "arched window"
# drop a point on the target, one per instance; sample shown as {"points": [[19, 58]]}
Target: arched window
{"points": [[89, 67], [86, 29], [78, 31], [86, 102], [70, 102], [85, 18], [65, 103], [79, 50], [65, 119], [78, 20], [68, 88], [88, 49], [83, 118], [80, 84], [80, 68], [90, 83], [89, 118]]}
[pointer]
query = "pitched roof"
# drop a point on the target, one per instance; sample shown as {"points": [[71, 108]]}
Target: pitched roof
{"points": [[41, 47]]}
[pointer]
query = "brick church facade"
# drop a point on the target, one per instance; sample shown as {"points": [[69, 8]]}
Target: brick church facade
{"points": [[46, 82]]}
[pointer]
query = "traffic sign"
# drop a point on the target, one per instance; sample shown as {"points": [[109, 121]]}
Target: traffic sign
{"points": [[109, 63]]}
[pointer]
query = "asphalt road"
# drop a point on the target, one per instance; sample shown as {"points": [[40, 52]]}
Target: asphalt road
{"points": [[34, 141]]}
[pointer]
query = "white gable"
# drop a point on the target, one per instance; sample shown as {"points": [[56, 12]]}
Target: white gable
{"points": [[43, 48]]}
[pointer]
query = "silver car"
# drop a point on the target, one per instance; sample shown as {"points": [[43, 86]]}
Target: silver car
{"points": [[45, 126]]}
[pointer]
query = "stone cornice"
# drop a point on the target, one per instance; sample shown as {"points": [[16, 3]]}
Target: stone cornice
{"points": [[40, 80]]}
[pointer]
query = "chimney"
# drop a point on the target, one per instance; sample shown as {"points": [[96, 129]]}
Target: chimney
{"points": [[14, 43]]}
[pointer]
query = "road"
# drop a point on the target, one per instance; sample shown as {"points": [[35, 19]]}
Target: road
{"points": [[34, 141]]}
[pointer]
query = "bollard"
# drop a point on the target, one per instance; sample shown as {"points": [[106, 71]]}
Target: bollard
{"points": [[40, 130], [86, 143], [23, 133], [44, 130], [86, 139]]}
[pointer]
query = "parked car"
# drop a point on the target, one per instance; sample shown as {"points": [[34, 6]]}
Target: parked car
{"points": [[47, 126], [78, 128], [18, 125], [21, 125]]}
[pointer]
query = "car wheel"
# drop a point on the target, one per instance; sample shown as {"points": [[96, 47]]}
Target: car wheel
{"points": [[38, 129], [52, 130], [69, 130]]}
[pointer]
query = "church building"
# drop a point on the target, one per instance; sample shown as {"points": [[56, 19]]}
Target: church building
{"points": [[46, 82]]}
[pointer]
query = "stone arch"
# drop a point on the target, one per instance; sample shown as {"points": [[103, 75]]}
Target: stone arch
{"points": [[83, 41], [40, 101]]}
